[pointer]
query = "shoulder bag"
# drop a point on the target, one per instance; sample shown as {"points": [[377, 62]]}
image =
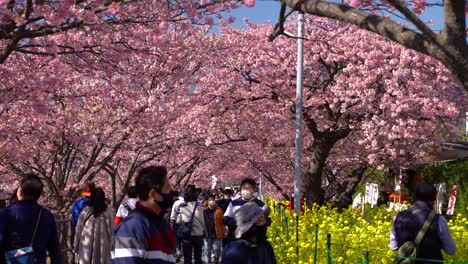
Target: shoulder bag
{"points": [[24, 255]]}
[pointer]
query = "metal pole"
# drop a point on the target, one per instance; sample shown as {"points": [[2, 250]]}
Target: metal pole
{"points": [[329, 257], [366, 257], [316, 239], [298, 141], [260, 193]]}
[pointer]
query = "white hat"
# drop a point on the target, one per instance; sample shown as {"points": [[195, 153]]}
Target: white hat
{"points": [[246, 216]]}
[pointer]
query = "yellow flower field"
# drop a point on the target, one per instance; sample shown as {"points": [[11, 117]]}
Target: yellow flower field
{"points": [[351, 235]]}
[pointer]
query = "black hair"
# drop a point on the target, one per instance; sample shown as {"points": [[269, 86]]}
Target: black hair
{"points": [[31, 186], [14, 197], [190, 193], [425, 192], [98, 201], [132, 192], [227, 192], [2, 203], [249, 181], [152, 177]]}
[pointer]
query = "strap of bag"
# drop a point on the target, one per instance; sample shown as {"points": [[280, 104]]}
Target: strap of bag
{"points": [[129, 209], [193, 213], [424, 228], [35, 228]]}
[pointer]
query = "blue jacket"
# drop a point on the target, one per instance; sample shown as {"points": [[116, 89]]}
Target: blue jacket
{"points": [[244, 252], [143, 237], [17, 223], [77, 208]]}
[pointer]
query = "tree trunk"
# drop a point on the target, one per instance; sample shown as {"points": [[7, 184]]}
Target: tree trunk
{"points": [[313, 176], [345, 198]]}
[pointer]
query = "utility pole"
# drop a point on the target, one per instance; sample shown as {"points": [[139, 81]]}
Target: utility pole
{"points": [[298, 139]]}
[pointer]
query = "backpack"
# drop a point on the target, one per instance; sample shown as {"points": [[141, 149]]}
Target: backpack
{"points": [[184, 230], [407, 252], [128, 208]]}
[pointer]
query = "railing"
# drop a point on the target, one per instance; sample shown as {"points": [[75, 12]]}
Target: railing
{"points": [[63, 230]]}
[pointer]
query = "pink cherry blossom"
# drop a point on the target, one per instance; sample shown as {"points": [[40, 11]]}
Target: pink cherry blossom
{"points": [[418, 6], [249, 3]]}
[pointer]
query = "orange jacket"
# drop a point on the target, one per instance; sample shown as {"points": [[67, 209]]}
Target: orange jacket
{"points": [[219, 226], [218, 220]]}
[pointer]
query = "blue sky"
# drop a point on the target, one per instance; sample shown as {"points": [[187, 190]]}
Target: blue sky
{"points": [[262, 12], [268, 11]]}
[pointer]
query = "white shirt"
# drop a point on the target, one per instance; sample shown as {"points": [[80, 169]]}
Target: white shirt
{"points": [[174, 208], [185, 213]]}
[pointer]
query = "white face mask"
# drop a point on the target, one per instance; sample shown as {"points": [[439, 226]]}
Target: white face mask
{"points": [[246, 194], [211, 203]]}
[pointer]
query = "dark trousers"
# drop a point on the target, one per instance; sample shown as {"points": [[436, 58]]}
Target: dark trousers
{"points": [[72, 235], [72, 241], [195, 244], [175, 227]]}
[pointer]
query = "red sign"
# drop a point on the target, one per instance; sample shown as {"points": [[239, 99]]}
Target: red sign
{"points": [[452, 200]]}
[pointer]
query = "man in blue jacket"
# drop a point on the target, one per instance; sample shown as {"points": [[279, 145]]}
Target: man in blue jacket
{"points": [[18, 221], [145, 236]]}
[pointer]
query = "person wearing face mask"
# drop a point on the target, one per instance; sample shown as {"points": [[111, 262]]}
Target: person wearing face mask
{"points": [[192, 212], [248, 248], [145, 236], [248, 188], [214, 230]]}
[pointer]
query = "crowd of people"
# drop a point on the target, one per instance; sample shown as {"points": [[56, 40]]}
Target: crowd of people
{"points": [[158, 225], [154, 225]]}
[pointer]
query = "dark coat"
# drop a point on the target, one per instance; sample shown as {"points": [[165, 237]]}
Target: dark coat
{"points": [[244, 252], [17, 223], [214, 222], [407, 225]]}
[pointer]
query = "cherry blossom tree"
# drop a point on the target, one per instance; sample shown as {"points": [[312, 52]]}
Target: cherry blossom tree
{"points": [[65, 27], [401, 22], [79, 118], [373, 99], [222, 105]]}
